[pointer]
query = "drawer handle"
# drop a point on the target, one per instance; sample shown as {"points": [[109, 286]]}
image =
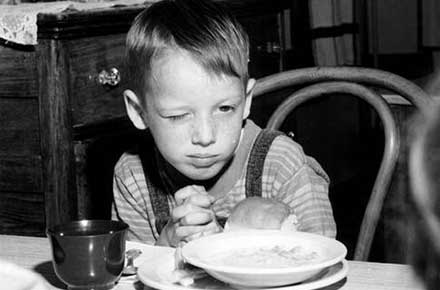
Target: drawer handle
{"points": [[111, 77]]}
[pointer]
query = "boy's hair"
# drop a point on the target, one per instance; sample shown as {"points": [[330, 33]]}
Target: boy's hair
{"points": [[202, 28]]}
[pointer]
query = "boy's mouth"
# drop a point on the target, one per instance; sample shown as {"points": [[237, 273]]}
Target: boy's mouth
{"points": [[203, 161]]}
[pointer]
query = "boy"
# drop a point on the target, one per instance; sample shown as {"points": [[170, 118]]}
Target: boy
{"points": [[191, 93]]}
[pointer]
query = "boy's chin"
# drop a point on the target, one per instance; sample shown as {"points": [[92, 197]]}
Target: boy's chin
{"points": [[203, 174]]}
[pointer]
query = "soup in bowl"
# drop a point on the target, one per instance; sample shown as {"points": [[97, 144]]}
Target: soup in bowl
{"points": [[263, 258]]}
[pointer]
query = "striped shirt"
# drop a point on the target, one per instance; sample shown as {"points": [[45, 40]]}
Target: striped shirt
{"points": [[288, 176]]}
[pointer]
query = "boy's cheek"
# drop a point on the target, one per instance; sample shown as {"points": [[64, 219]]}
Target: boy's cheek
{"points": [[167, 134]]}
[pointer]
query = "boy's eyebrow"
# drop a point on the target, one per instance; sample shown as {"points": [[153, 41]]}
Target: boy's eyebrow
{"points": [[236, 97], [233, 98]]}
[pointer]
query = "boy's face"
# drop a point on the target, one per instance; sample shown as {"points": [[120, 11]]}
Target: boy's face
{"points": [[195, 117]]}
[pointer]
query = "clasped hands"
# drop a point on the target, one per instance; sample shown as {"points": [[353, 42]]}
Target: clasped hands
{"points": [[191, 218]]}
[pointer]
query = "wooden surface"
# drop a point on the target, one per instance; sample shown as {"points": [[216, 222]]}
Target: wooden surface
{"points": [[21, 183], [34, 253], [70, 24], [18, 72], [56, 134], [91, 101]]}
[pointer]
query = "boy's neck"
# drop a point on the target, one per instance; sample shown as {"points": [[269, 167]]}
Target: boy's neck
{"points": [[175, 180]]}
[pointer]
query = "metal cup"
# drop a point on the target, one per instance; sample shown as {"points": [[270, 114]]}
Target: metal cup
{"points": [[88, 254]]}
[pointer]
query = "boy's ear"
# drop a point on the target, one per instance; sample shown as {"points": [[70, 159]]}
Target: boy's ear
{"points": [[134, 109], [249, 91]]}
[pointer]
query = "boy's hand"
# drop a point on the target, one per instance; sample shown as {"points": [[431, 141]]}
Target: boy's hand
{"points": [[192, 217]]}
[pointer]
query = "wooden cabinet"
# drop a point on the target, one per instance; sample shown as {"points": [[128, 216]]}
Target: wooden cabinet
{"points": [[62, 129], [21, 180]]}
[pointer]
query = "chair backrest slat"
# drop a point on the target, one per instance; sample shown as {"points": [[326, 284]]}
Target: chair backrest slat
{"points": [[367, 76]]}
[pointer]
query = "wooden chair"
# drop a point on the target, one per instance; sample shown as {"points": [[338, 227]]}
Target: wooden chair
{"points": [[355, 81]]}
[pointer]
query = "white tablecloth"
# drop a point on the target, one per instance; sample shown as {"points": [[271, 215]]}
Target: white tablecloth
{"points": [[18, 23]]}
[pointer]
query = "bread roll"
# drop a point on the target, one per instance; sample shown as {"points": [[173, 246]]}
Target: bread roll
{"points": [[261, 213]]}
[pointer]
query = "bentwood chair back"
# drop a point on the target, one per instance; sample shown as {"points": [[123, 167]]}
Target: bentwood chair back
{"points": [[359, 82]]}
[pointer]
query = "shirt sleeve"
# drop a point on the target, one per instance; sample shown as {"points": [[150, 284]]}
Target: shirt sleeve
{"points": [[300, 182], [131, 202]]}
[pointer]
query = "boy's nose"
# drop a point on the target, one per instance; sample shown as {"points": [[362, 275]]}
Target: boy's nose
{"points": [[204, 132]]}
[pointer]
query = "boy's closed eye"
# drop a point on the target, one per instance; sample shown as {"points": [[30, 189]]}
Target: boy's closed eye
{"points": [[177, 117]]}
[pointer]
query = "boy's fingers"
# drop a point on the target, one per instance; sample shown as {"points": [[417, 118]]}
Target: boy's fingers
{"points": [[201, 200], [186, 209], [186, 231], [196, 218], [182, 194], [199, 189]]}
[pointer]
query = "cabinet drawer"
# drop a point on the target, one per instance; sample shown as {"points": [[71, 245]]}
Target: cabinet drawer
{"points": [[93, 102], [18, 72]]}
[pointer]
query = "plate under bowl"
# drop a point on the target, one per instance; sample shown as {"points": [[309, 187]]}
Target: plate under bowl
{"points": [[203, 253]]}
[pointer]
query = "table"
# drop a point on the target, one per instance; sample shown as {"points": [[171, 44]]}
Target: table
{"points": [[34, 253]]}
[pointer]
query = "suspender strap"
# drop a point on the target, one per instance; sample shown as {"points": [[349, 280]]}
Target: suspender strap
{"points": [[156, 188], [254, 172]]}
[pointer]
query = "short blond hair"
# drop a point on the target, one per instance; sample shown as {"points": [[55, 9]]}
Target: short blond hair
{"points": [[203, 28]]}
